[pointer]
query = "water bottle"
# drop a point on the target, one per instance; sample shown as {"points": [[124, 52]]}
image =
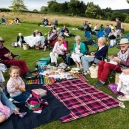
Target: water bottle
{"points": [[36, 65], [41, 68]]}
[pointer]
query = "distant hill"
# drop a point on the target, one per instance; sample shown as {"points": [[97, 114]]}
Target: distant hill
{"points": [[122, 10]]}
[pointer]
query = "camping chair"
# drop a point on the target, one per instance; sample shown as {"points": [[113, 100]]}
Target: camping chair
{"points": [[100, 34], [52, 43], [87, 34]]}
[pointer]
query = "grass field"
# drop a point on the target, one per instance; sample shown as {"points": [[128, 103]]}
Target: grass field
{"points": [[116, 118]]}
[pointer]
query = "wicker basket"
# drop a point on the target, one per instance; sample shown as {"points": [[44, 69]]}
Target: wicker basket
{"points": [[25, 46]]}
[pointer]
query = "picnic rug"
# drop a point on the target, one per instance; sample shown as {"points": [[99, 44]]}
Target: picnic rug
{"points": [[54, 111], [49, 80], [81, 98]]}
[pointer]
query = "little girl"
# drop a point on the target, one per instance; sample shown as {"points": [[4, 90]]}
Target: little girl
{"points": [[16, 86], [6, 107], [123, 85]]}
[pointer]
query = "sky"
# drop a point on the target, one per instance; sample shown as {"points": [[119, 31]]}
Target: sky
{"points": [[36, 4]]}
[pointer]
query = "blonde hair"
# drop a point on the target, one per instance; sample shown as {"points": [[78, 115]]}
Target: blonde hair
{"points": [[102, 41], [14, 67], [60, 38]]}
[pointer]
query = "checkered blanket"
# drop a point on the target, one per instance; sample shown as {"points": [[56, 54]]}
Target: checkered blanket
{"points": [[49, 80], [81, 98]]}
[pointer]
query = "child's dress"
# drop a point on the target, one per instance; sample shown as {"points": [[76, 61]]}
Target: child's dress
{"points": [[123, 85]]}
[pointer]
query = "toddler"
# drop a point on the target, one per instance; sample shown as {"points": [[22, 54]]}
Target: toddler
{"points": [[16, 86]]}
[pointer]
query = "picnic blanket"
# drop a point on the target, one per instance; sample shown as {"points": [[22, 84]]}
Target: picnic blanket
{"points": [[54, 111], [41, 79], [81, 98]]}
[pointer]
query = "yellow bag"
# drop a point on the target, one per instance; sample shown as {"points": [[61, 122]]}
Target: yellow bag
{"points": [[94, 71]]}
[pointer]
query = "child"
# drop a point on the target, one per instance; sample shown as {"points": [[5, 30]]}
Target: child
{"points": [[16, 86], [6, 107], [123, 85]]}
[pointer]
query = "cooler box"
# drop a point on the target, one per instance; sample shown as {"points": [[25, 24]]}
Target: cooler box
{"points": [[47, 60], [43, 63]]}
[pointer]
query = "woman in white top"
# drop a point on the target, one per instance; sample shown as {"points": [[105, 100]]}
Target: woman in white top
{"points": [[59, 49]]}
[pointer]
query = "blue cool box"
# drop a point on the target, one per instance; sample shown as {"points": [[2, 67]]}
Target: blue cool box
{"points": [[42, 62]]}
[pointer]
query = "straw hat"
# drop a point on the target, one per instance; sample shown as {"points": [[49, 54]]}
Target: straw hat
{"points": [[1, 40], [124, 41]]}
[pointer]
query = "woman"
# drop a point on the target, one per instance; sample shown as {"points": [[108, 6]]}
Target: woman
{"points": [[95, 57], [37, 33], [20, 39], [8, 59], [79, 49], [112, 34], [120, 58], [60, 48]]}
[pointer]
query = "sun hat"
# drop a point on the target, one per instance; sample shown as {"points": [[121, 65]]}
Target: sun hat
{"points": [[1, 39], [124, 41]]}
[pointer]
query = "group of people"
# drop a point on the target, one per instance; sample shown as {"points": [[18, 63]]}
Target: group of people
{"points": [[46, 22], [110, 31], [10, 22]]}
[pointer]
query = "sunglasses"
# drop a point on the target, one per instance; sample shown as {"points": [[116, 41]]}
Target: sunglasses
{"points": [[122, 46]]}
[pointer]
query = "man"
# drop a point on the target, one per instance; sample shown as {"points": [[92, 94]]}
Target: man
{"points": [[118, 26], [120, 58], [8, 59]]}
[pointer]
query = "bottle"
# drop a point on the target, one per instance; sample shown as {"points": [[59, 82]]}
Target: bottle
{"points": [[41, 68], [36, 65]]}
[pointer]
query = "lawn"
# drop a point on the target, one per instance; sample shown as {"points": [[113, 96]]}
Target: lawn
{"points": [[116, 118]]}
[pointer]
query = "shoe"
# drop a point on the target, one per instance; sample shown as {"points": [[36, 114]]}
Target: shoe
{"points": [[122, 98], [99, 84]]}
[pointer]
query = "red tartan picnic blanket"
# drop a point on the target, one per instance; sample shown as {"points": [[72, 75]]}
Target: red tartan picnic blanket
{"points": [[81, 98]]}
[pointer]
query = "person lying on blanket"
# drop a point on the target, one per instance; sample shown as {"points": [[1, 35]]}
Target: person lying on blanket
{"points": [[6, 106]]}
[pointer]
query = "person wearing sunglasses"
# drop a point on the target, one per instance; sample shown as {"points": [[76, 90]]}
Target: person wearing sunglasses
{"points": [[120, 58]]}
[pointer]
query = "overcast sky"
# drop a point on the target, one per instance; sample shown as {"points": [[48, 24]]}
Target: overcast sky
{"points": [[36, 4]]}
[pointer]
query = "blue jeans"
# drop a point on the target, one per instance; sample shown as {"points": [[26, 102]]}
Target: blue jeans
{"points": [[7, 102], [22, 97]]}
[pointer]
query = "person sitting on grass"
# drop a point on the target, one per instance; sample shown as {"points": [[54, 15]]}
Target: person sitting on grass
{"points": [[120, 58], [65, 31], [60, 48], [20, 39], [3, 21], [79, 49], [16, 86], [6, 106], [96, 57], [8, 59]]}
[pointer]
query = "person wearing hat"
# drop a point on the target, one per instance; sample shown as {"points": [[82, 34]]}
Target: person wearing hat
{"points": [[8, 59], [120, 58]]}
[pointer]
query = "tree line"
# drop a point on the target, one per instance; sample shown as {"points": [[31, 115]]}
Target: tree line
{"points": [[74, 8]]}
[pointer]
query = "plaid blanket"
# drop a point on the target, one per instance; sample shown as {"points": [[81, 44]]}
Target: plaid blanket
{"points": [[81, 98], [49, 80]]}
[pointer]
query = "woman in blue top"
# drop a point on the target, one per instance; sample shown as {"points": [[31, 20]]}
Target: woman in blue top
{"points": [[79, 49], [95, 57]]}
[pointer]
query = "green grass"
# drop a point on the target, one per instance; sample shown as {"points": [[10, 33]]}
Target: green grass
{"points": [[116, 118]]}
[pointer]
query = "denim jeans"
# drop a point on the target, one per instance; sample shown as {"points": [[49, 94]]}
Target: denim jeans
{"points": [[7, 102]]}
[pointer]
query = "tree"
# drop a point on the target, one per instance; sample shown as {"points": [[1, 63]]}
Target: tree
{"points": [[18, 6], [127, 1], [35, 11]]}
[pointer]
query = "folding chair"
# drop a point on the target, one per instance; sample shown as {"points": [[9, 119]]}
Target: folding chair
{"points": [[100, 34], [87, 34], [52, 43]]}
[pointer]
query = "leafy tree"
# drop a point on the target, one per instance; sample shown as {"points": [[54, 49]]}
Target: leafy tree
{"points": [[35, 10], [127, 19], [18, 6], [127, 1]]}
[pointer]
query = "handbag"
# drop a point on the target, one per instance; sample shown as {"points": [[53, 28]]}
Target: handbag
{"points": [[93, 70], [38, 93], [36, 104]]}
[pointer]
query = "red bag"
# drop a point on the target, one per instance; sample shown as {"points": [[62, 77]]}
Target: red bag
{"points": [[38, 93]]}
